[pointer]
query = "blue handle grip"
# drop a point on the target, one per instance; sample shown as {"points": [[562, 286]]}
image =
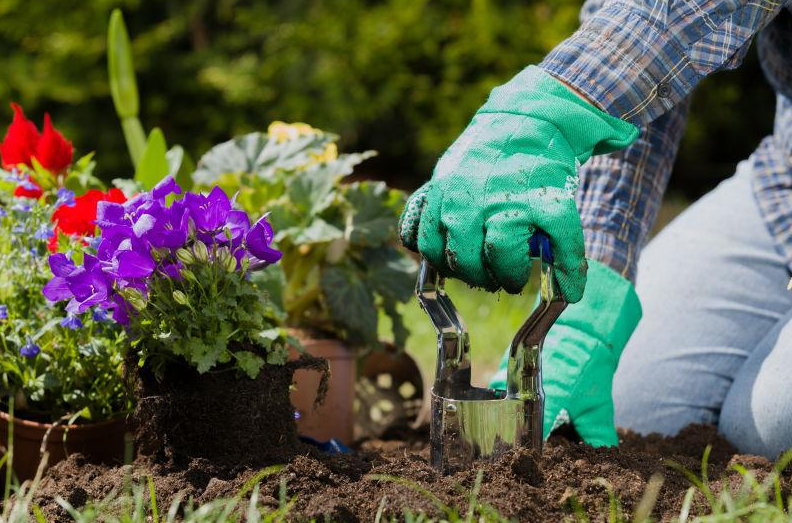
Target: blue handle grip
{"points": [[539, 242]]}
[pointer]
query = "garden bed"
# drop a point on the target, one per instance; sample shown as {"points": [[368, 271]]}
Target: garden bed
{"points": [[352, 487]]}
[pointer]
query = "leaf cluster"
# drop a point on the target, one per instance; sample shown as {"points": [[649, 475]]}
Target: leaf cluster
{"points": [[340, 261], [77, 371], [213, 315]]}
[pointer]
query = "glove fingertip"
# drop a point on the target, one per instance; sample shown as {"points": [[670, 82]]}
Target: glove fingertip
{"points": [[410, 219]]}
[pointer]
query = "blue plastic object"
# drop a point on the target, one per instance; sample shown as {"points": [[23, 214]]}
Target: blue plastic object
{"points": [[332, 446], [539, 242]]}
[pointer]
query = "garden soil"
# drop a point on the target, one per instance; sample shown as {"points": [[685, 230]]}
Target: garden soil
{"points": [[521, 485]]}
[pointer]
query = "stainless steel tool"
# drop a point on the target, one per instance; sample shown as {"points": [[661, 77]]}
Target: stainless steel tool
{"points": [[468, 422]]}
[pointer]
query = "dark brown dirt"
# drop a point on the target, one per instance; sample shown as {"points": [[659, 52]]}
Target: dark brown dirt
{"points": [[217, 416], [520, 486]]}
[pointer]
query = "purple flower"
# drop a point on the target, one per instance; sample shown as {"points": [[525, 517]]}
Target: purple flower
{"points": [[44, 233], [27, 184], [296, 414], [140, 239], [99, 315], [209, 213], [21, 207], [3, 212], [65, 197], [135, 264], [71, 322], [258, 241], [3, 312], [29, 349]]}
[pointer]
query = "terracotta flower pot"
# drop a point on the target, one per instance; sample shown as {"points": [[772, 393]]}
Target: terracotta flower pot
{"points": [[100, 442], [335, 417]]}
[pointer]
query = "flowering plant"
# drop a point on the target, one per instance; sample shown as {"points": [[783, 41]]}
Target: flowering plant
{"points": [[340, 262], [54, 363], [40, 162], [178, 277]]}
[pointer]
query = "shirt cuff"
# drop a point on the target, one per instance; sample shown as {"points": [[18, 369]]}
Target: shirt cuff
{"points": [[624, 64]]}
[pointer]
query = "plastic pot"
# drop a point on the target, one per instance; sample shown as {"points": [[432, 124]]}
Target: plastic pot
{"points": [[101, 442], [335, 417]]}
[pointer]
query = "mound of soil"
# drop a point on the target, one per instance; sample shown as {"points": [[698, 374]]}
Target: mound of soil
{"points": [[352, 487]]}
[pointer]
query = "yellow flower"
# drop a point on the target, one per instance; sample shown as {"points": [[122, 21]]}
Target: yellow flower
{"points": [[283, 131], [328, 155]]}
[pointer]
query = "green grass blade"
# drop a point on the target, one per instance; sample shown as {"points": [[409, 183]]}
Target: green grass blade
{"points": [[644, 509], [153, 500]]}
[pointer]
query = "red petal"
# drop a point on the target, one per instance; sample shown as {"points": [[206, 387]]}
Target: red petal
{"points": [[80, 218], [20, 140], [22, 191], [54, 152]]}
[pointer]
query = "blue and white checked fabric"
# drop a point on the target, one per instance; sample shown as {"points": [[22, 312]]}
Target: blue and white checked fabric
{"points": [[639, 60]]}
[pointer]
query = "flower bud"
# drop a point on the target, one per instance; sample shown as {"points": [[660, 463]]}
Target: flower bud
{"points": [[181, 298], [185, 256], [200, 251], [225, 259], [135, 298], [188, 275]]}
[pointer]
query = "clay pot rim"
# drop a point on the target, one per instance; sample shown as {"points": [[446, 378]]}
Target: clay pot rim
{"points": [[339, 348], [72, 428]]}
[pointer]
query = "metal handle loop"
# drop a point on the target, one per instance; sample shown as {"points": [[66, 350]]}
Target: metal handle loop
{"points": [[453, 342]]}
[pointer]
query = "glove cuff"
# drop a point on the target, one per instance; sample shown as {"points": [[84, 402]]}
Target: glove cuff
{"points": [[609, 311], [588, 130]]}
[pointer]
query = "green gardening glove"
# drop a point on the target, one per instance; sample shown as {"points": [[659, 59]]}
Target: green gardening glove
{"points": [[580, 355], [511, 172]]}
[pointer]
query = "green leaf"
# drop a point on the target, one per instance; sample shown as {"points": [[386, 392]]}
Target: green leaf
{"points": [[390, 272], [80, 178], [153, 165], [271, 280], [375, 212], [351, 304], [180, 166], [318, 232], [249, 363], [311, 191], [258, 154], [121, 67], [400, 331]]}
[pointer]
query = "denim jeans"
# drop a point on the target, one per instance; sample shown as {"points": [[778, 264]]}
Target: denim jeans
{"points": [[715, 342]]}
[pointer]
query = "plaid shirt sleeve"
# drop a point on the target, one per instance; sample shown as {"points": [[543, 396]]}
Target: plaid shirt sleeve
{"points": [[638, 59]]}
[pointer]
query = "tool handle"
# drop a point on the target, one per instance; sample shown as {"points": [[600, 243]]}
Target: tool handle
{"points": [[539, 245]]}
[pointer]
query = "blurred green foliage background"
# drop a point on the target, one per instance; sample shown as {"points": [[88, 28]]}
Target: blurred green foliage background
{"points": [[399, 76]]}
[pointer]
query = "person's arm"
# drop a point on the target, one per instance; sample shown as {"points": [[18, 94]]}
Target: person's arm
{"points": [[636, 60]]}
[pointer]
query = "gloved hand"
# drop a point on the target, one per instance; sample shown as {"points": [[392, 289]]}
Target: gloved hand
{"points": [[512, 171], [580, 355]]}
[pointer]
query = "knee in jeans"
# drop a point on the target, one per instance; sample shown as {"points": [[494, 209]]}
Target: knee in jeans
{"points": [[758, 424]]}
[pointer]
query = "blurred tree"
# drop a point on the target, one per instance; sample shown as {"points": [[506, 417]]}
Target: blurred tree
{"points": [[400, 76]]}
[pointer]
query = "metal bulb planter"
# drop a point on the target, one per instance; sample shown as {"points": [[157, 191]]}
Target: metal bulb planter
{"points": [[470, 423]]}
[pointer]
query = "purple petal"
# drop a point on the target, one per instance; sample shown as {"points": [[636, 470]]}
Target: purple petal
{"points": [[61, 265], [238, 223], [56, 290], [165, 187], [258, 241], [109, 213], [172, 271], [143, 225], [120, 308], [133, 264]]}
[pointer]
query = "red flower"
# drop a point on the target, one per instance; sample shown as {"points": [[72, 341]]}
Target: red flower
{"points": [[29, 189], [79, 219], [53, 151], [23, 142], [20, 140]]}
